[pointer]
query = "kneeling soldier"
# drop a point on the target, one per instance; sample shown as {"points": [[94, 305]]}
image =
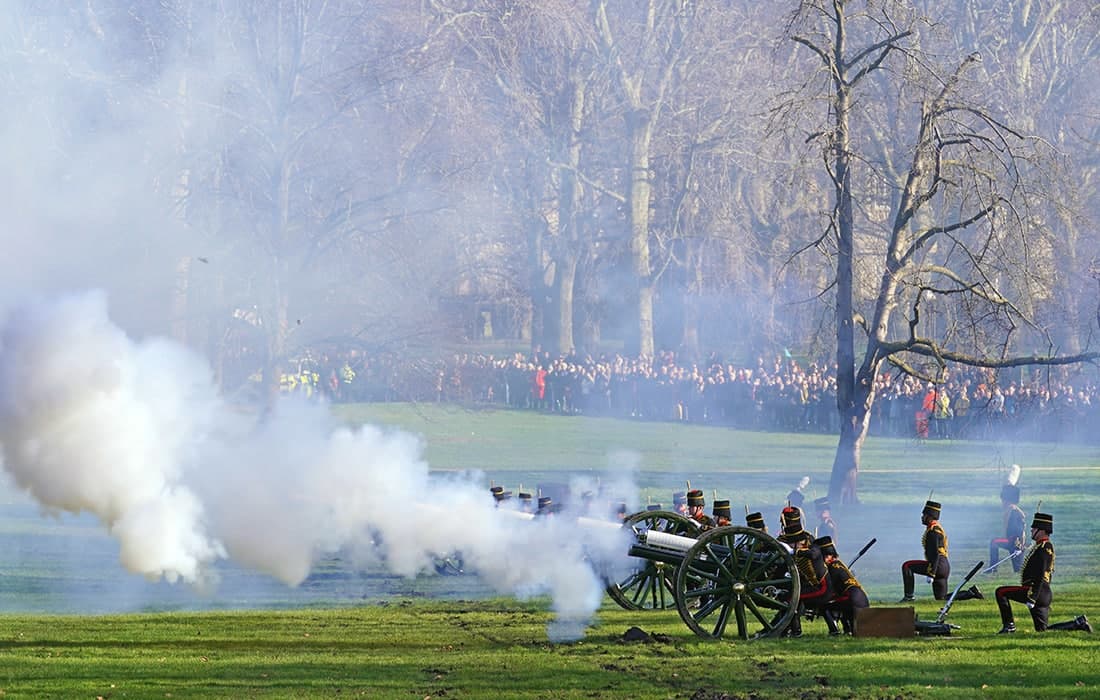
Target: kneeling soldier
{"points": [[849, 594], [935, 564], [1034, 589]]}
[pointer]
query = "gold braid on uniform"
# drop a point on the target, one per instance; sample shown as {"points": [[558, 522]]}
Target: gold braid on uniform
{"points": [[942, 549], [805, 565], [1046, 575], [850, 581]]}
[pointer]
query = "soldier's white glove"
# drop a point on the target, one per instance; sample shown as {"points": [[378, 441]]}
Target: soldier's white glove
{"points": [[1030, 605], [928, 579]]}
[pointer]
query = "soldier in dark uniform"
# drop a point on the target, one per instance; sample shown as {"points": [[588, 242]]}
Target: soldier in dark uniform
{"points": [[1034, 589], [935, 564], [697, 508], [812, 573], [721, 513], [545, 507], [790, 527], [501, 496], [756, 521], [1013, 540], [848, 594], [826, 526]]}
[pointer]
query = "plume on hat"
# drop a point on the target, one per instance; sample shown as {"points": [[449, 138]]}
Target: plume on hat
{"points": [[803, 483], [1013, 474]]}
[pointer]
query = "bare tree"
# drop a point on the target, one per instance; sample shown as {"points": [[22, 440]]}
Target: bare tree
{"points": [[959, 227]]}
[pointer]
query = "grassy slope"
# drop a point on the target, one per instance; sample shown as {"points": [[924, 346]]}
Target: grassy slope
{"points": [[498, 648]]}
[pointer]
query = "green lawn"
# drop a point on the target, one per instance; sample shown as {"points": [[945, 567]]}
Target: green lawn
{"points": [[351, 633], [497, 649]]}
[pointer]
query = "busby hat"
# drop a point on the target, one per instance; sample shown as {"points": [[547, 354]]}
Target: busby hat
{"points": [[825, 544], [545, 502], [821, 504], [795, 498], [695, 498], [496, 489], [722, 509], [1043, 521], [755, 520], [524, 496], [931, 509], [790, 512], [1010, 493], [653, 506], [792, 522], [679, 498]]}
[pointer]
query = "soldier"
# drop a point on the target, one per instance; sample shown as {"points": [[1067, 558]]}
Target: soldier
{"points": [[502, 496], [545, 507], [721, 513], [935, 564], [849, 594], [825, 523], [679, 503], [790, 527], [795, 498], [1034, 589], [697, 508], [812, 574], [526, 502], [1013, 540], [756, 521]]}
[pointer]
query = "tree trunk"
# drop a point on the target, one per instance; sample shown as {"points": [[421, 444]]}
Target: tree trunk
{"points": [[567, 275], [640, 186]]}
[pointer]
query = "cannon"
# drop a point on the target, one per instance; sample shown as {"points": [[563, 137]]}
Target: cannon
{"points": [[727, 575], [651, 584]]}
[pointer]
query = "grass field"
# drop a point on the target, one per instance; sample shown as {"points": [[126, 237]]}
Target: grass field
{"points": [[76, 625]]}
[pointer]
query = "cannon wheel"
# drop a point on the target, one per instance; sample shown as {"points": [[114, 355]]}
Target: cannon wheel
{"points": [[739, 575], [650, 586]]}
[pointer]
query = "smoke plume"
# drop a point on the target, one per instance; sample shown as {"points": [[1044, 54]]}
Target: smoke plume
{"points": [[136, 434]]}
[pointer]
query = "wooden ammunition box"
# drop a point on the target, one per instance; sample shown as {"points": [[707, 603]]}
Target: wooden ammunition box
{"points": [[885, 622]]}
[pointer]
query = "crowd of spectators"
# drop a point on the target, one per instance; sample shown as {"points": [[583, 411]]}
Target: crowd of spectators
{"points": [[779, 393]]}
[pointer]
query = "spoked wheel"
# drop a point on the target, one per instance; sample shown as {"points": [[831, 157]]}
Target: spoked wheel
{"points": [[650, 584], [737, 578]]}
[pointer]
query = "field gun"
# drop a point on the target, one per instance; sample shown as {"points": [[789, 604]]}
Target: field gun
{"points": [[714, 577]]}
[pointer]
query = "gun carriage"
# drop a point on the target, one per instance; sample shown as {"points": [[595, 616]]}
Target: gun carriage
{"points": [[721, 579]]}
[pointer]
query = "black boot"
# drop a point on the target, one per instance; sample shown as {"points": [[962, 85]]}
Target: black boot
{"points": [[1078, 624], [1009, 628], [971, 593]]}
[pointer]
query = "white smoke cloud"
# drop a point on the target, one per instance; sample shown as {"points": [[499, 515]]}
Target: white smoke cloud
{"points": [[134, 433]]}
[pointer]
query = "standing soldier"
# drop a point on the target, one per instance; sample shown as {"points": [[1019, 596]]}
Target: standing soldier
{"points": [[721, 513], [849, 595], [825, 523], [1013, 540], [697, 508], [1034, 589], [679, 503], [796, 498], [526, 502], [756, 521], [935, 564]]}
